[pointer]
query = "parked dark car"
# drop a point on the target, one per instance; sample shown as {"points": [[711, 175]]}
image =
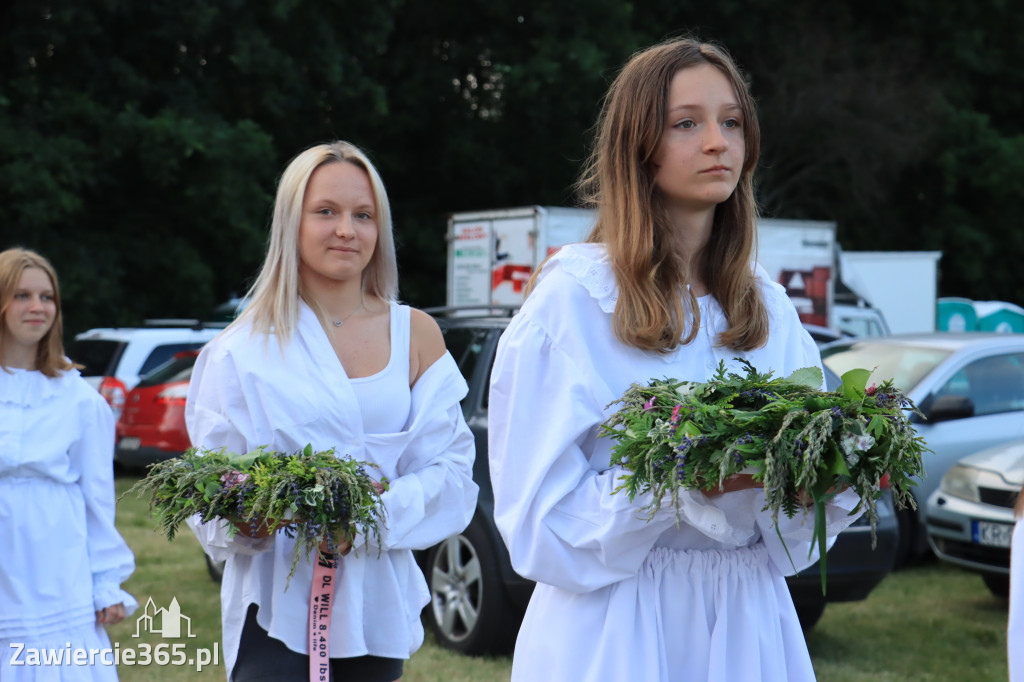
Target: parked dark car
{"points": [[478, 600]]}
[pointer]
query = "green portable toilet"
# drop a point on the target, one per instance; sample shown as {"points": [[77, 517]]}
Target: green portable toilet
{"points": [[1000, 316], [956, 315]]}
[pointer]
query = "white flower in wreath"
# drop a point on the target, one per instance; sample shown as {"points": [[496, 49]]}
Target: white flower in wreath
{"points": [[852, 443]]}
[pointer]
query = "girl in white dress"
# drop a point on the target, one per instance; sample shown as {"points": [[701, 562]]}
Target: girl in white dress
{"points": [[63, 560], [324, 355], [664, 286], [1015, 626]]}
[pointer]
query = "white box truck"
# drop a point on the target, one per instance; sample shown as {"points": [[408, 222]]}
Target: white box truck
{"points": [[800, 255], [904, 284], [492, 254]]}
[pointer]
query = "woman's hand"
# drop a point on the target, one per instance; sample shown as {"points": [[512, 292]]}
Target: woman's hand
{"points": [[734, 483], [807, 500], [341, 546], [746, 482], [258, 531], [111, 615]]}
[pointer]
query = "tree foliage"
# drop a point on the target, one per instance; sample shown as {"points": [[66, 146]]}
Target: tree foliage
{"points": [[140, 143]]}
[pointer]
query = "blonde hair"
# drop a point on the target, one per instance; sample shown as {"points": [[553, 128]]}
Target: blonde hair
{"points": [[274, 297], [618, 180], [50, 358]]}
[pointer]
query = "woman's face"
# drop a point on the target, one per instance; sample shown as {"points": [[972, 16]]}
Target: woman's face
{"points": [[338, 230], [31, 311], [699, 158]]}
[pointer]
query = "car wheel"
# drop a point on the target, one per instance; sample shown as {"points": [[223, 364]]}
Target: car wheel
{"points": [[999, 585], [214, 568], [907, 521], [469, 611], [809, 611]]}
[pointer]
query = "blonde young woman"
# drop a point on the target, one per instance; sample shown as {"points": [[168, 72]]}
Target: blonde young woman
{"points": [[325, 355], [63, 559], [664, 286], [1015, 626]]}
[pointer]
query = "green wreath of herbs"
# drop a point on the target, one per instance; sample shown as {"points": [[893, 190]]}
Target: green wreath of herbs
{"points": [[314, 497], [795, 439]]}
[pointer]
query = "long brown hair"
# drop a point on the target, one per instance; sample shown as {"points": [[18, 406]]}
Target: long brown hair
{"points": [[1018, 509], [50, 358], [618, 180]]}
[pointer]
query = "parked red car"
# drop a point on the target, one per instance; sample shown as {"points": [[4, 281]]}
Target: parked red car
{"points": [[152, 424]]}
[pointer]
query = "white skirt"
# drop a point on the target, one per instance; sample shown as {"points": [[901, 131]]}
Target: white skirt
{"points": [[687, 616]]}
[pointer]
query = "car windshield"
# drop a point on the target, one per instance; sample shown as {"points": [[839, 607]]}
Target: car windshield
{"points": [[165, 353], [99, 356], [905, 365], [178, 368]]}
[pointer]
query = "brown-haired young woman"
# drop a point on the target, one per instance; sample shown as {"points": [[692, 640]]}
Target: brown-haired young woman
{"points": [[63, 560], [664, 286]]}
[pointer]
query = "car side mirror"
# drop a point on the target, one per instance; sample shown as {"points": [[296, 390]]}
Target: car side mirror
{"points": [[949, 407]]}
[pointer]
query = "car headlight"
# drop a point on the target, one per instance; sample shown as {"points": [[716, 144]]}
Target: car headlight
{"points": [[961, 481]]}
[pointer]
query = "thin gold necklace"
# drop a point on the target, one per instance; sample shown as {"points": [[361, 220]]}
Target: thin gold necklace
{"points": [[338, 323]]}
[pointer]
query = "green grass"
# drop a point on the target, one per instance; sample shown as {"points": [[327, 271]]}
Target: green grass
{"points": [[165, 571], [928, 623]]}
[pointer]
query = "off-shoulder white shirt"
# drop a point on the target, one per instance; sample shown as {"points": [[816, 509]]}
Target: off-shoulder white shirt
{"points": [[245, 392]]}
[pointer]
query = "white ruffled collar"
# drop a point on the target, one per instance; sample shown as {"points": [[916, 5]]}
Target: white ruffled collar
{"points": [[590, 265], [30, 388]]}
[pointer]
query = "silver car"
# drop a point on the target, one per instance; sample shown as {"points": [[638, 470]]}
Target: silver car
{"points": [[970, 517], [970, 388]]}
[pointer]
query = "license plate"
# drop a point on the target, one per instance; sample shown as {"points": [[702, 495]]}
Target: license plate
{"points": [[130, 443], [991, 534]]}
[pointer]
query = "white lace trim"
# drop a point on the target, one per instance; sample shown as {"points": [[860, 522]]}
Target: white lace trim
{"points": [[589, 265], [29, 388]]}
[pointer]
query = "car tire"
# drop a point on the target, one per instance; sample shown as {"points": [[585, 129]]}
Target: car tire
{"points": [[809, 611], [469, 611], [907, 520], [997, 584]]}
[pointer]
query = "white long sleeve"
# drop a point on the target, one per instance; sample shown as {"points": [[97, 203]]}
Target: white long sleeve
{"points": [[557, 514], [110, 559], [432, 494]]}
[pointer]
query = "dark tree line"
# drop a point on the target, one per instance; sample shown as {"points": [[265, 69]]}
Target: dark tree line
{"points": [[140, 143]]}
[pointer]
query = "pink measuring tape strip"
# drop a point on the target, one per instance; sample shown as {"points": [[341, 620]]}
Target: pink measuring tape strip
{"points": [[321, 599]]}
